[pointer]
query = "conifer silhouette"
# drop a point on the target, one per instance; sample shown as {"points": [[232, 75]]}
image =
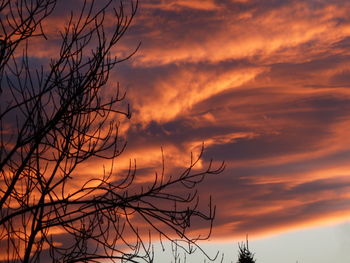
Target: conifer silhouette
{"points": [[245, 256]]}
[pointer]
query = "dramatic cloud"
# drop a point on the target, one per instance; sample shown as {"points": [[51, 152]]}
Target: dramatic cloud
{"points": [[264, 84]]}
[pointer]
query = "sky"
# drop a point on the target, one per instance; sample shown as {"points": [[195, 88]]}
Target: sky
{"points": [[318, 244], [265, 86]]}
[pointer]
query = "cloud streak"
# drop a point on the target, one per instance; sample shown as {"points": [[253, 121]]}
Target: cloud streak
{"points": [[264, 84]]}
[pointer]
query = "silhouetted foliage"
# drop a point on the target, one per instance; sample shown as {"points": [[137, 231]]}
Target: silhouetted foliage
{"points": [[56, 117], [245, 256]]}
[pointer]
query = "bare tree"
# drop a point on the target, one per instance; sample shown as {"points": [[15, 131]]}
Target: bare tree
{"points": [[54, 118]]}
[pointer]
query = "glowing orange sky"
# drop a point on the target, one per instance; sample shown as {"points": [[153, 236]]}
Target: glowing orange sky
{"points": [[264, 84]]}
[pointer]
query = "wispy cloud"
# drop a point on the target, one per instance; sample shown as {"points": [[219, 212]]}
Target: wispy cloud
{"points": [[264, 84]]}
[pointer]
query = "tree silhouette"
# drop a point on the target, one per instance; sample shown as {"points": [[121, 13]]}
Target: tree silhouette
{"points": [[56, 117], [245, 256]]}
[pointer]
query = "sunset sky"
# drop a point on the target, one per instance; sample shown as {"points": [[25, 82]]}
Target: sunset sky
{"points": [[264, 84]]}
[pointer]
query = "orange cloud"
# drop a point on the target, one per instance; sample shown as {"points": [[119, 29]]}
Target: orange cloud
{"points": [[265, 87], [273, 36], [181, 90], [178, 5]]}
